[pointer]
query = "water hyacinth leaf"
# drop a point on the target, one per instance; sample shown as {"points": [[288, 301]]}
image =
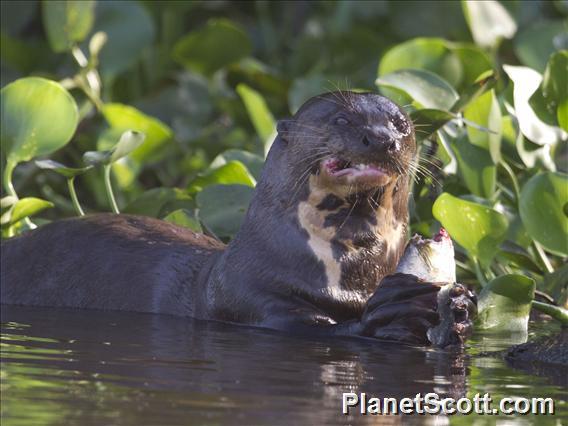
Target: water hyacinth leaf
{"points": [[68, 172], [38, 117], [219, 43], [475, 167], [23, 208], [519, 256], [555, 284], [122, 118], [536, 42], [431, 54], [258, 112], [67, 22], [485, 82], [485, 112], [428, 120], [131, 29], [505, 303], [427, 89], [477, 228], [552, 95], [223, 207], [303, 89], [234, 172], [184, 218], [8, 201], [526, 81], [488, 21], [253, 162], [562, 115], [543, 200], [156, 201], [447, 154], [255, 73], [474, 62], [128, 142]]}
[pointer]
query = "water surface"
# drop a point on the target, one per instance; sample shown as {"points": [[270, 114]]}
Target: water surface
{"points": [[76, 367]]}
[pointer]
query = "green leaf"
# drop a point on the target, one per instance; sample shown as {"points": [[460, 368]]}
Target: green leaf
{"points": [[543, 199], [185, 218], [38, 117], [214, 46], [489, 22], [426, 88], [253, 162], [23, 208], [474, 62], [519, 256], [61, 169], [553, 92], [234, 172], [526, 82], [555, 284], [67, 22], [485, 82], [128, 142], [477, 228], [258, 112], [8, 201], [484, 111], [159, 201], [130, 29], [427, 121], [305, 88], [505, 303], [475, 167], [223, 207], [536, 42], [122, 118], [430, 54]]}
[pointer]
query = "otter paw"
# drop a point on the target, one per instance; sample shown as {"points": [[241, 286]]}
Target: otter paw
{"points": [[402, 309], [458, 309]]}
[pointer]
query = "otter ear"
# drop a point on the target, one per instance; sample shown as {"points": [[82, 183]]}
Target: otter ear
{"points": [[283, 128]]}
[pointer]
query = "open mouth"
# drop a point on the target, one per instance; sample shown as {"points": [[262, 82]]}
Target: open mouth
{"points": [[339, 168]]}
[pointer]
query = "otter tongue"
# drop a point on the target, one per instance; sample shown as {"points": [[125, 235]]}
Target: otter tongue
{"points": [[360, 170]]}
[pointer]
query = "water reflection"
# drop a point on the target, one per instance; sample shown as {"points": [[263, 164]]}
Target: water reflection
{"points": [[77, 367]]}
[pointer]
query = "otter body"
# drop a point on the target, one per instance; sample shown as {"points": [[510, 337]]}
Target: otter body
{"points": [[327, 224]]}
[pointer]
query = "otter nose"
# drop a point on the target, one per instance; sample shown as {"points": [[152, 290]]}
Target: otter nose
{"points": [[380, 140]]}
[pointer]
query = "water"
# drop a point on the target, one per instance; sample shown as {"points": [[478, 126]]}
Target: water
{"points": [[63, 367]]}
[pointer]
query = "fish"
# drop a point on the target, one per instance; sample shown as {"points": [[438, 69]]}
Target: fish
{"points": [[432, 260]]}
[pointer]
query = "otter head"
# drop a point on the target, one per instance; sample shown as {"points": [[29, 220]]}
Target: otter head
{"points": [[339, 173], [351, 142]]}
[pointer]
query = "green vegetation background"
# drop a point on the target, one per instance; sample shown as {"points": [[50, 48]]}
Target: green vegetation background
{"points": [[192, 89]]}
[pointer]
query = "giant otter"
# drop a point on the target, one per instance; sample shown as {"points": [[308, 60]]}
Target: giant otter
{"points": [[326, 227]]}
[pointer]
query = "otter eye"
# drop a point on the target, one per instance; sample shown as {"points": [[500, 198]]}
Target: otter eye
{"points": [[341, 121]]}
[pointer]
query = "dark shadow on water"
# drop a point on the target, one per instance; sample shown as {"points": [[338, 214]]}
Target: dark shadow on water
{"points": [[77, 367]]}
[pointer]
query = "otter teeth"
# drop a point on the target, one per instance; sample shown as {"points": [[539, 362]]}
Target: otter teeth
{"points": [[361, 166]]}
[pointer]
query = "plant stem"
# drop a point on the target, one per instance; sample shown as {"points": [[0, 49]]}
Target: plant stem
{"points": [[74, 199], [513, 179], [8, 179], [543, 257], [10, 166], [108, 187], [555, 312], [479, 273]]}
